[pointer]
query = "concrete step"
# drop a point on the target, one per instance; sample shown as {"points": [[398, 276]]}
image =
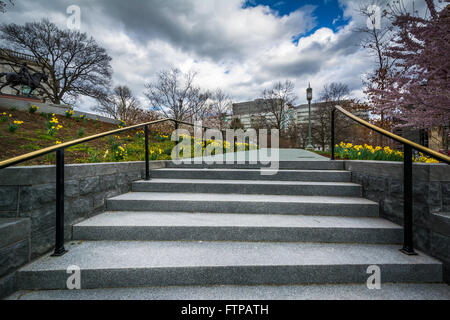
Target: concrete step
{"points": [[106, 264], [164, 226], [299, 165], [253, 174], [388, 291], [344, 189], [243, 203]]}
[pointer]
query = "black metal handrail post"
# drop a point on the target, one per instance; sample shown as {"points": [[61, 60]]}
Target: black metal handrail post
{"points": [[408, 244], [176, 139], [333, 113], [59, 149], [408, 235], [147, 160], [59, 241]]}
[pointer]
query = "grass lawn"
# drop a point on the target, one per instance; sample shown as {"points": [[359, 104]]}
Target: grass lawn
{"points": [[33, 131]]}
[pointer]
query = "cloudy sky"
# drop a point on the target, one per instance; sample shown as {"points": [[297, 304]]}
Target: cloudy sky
{"points": [[237, 45]]}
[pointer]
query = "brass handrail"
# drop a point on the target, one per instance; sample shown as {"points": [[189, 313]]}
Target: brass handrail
{"points": [[38, 153], [432, 153], [408, 146], [59, 149]]}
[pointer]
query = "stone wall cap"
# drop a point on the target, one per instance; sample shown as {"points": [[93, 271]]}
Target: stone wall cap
{"points": [[43, 174]]}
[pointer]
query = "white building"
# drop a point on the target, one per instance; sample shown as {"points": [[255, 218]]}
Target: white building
{"points": [[248, 113], [252, 112]]}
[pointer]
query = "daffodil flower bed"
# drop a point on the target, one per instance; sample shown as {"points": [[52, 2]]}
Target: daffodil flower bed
{"points": [[122, 124], [39, 130], [366, 152], [53, 126], [14, 126], [131, 147], [4, 117]]}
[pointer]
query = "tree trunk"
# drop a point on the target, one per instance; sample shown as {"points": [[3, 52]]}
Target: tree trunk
{"points": [[382, 127]]}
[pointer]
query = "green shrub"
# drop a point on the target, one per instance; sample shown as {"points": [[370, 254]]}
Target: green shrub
{"points": [[33, 109], [94, 157], [13, 127], [120, 153], [122, 124], [4, 117], [69, 113]]}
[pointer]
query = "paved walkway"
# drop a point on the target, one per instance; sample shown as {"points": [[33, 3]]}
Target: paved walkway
{"points": [[269, 154]]}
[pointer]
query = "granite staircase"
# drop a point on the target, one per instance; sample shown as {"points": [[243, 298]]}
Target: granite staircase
{"points": [[228, 232]]}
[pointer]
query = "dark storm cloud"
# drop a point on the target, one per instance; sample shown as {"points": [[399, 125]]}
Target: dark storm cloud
{"points": [[301, 68]]}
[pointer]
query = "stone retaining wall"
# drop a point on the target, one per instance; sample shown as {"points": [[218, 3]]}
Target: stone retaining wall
{"points": [[382, 182], [27, 206]]}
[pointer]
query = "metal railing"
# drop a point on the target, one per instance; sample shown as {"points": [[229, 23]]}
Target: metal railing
{"points": [[59, 149], [408, 146]]}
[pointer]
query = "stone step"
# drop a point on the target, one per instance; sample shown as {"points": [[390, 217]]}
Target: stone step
{"points": [[299, 165], [388, 291], [243, 203], [253, 174], [165, 226], [344, 189], [106, 264]]}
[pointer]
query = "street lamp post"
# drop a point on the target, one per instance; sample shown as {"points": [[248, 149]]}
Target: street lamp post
{"points": [[309, 97]]}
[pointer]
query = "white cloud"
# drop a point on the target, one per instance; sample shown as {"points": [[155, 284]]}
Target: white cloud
{"points": [[240, 50]]}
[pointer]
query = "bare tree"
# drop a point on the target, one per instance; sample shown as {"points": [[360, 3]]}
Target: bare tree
{"points": [[334, 92], [331, 94], [297, 134], [236, 124], [376, 34], [275, 103], [121, 105], [75, 63], [302, 134], [259, 121], [175, 95], [377, 37], [220, 107]]}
